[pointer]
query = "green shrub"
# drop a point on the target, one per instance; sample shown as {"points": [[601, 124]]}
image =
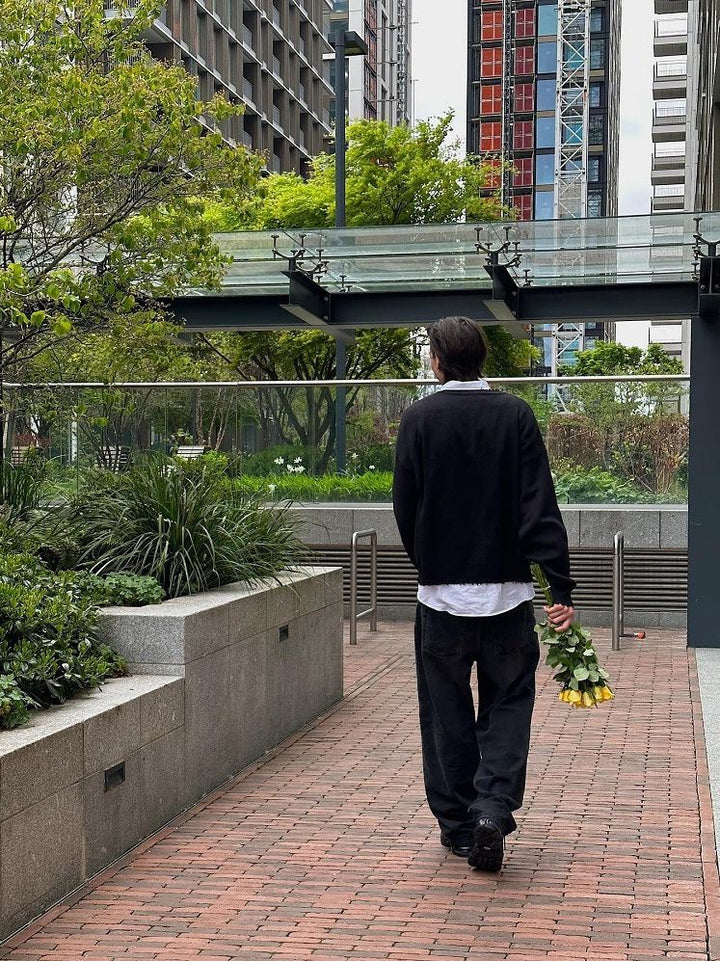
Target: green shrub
{"points": [[371, 487], [184, 526], [14, 706], [48, 637], [596, 486]]}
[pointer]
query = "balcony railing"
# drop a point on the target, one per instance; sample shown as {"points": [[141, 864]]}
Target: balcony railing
{"points": [[671, 28], [670, 70]]}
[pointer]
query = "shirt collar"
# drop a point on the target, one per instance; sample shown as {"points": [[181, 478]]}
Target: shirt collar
{"points": [[465, 385]]}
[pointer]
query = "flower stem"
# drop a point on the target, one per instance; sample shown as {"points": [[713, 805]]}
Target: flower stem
{"points": [[543, 582]]}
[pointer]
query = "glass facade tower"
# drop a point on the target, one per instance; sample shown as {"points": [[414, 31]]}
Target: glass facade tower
{"points": [[543, 98]]}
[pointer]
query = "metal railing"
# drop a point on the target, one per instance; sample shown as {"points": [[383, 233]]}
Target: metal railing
{"points": [[372, 610]]}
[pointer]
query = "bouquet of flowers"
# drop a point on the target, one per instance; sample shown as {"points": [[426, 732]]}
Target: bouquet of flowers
{"points": [[571, 654]]}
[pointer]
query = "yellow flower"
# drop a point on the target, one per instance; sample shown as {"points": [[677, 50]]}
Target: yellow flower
{"points": [[587, 699], [575, 697]]}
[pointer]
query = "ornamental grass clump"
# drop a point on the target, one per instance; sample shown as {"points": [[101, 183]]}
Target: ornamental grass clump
{"points": [[185, 527], [572, 655]]}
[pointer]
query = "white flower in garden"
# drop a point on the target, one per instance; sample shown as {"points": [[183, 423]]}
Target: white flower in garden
{"points": [[290, 469], [272, 488], [298, 460], [278, 460], [299, 470], [354, 456], [371, 467]]}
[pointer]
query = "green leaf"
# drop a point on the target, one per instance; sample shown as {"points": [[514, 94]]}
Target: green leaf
{"points": [[581, 673]]}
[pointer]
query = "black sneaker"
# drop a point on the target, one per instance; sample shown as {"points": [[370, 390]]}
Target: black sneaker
{"points": [[461, 847], [488, 846]]}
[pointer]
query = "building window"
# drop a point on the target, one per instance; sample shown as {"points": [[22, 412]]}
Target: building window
{"points": [[596, 94], [595, 203], [523, 205], [524, 59], [492, 25], [545, 168], [597, 24], [490, 137], [547, 56], [545, 133], [597, 129], [524, 99], [525, 23], [544, 204], [594, 169], [523, 135], [572, 132], [573, 56], [523, 173], [597, 54], [546, 92], [547, 20], [491, 64], [491, 99]]}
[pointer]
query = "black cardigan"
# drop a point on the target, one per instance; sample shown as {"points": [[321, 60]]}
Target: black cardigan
{"points": [[473, 494]]}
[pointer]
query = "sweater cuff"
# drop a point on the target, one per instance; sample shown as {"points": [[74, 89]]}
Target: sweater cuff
{"points": [[562, 597]]}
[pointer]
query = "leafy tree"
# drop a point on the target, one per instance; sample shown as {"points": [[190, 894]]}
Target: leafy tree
{"points": [[394, 175], [634, 429], [305, 417], [103, 159], [610, 357]]}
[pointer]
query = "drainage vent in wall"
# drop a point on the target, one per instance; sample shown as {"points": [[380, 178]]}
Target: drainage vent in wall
{"points": [[654, 579]]}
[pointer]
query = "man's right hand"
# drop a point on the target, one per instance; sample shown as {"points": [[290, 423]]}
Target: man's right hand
{"points": [[560, 616]]}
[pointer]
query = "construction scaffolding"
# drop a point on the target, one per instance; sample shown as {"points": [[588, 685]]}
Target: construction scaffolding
{"points": [[402, 54], [572, 116], [507, 101]]}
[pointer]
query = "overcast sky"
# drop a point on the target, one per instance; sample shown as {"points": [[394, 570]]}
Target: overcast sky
{"points": [[439, 71]]}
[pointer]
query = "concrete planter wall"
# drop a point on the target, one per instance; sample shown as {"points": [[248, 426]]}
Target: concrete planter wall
{"points": [[217, 680]]}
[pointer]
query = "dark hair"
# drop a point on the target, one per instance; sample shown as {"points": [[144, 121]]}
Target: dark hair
{"points": [[460, 346]]}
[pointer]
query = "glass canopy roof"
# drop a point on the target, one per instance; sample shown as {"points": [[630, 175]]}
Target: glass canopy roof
{"points": [[639, 249]]}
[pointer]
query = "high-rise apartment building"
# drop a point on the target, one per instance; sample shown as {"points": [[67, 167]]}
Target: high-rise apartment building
{"points": [[670, 81], [267, 55], [543, 98], [379, 84], [702, 182]]}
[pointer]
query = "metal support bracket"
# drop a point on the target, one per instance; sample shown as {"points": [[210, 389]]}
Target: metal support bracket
{"points": [[707, 274]]}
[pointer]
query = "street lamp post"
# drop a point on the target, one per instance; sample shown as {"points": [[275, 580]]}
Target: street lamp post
{"points": [[346, 43]]}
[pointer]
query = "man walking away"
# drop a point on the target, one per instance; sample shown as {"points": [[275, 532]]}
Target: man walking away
{"points": [[475, 504]]}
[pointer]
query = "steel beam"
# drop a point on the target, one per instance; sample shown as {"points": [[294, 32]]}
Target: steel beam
{"points": [[704, 483]]}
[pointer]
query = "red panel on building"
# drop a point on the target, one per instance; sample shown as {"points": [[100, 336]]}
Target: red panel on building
{"points": [[525, 23], [491, 65], [524, 98], [523, 172], [491, 25], [522, 203], [491, 99], [524, 59], [523, 138], [490, 137]]}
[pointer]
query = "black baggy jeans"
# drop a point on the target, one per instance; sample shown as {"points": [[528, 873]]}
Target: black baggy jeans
{"points": [[475, 766]]}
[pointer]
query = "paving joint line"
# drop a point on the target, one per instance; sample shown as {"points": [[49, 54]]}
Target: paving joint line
{"points": [[56, 910]]}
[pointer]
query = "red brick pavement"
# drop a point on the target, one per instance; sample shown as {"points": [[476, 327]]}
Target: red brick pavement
{"points": [[325, 851]]}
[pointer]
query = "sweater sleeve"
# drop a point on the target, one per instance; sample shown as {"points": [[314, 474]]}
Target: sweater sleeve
{"points": [[542, 534], [406, 492]]}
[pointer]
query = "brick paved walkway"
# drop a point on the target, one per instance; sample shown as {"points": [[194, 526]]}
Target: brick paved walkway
{"points": [[326, 850]]}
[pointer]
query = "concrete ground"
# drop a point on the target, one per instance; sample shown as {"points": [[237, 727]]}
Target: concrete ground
{"points": [[326, 851]]}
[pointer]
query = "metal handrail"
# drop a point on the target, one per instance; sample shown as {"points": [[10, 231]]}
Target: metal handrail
{"points": [[369, 382], [372, 610], [618, 594]]}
